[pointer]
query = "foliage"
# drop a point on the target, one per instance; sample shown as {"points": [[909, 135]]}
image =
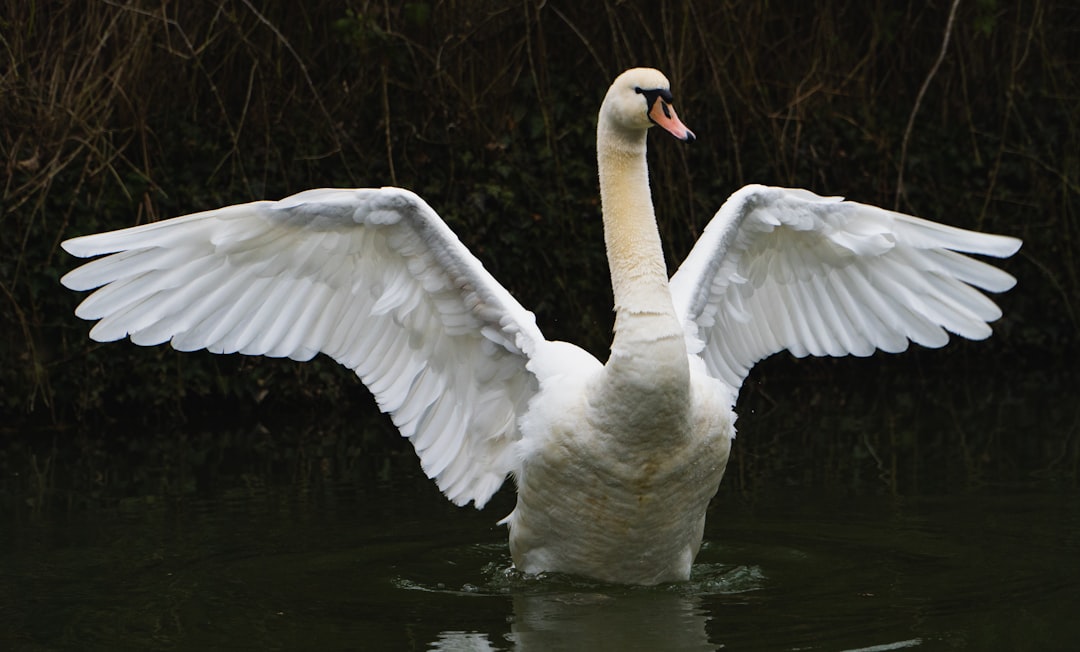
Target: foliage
{"points": [[116, 113]]}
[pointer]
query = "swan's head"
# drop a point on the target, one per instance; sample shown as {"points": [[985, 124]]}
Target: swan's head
{"points": [[640, 98]]}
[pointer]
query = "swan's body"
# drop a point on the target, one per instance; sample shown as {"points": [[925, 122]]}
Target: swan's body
{"points": [[615, 463]]}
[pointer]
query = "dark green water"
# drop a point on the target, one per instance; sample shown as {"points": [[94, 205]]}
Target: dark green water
{"points": [[264, 538], [352, 570]]}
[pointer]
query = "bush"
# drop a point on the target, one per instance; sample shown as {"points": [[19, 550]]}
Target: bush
{"points": [[120, 113]]}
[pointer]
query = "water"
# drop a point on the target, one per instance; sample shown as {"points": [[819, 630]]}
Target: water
{"points": [[347, 569], [251, 539]]}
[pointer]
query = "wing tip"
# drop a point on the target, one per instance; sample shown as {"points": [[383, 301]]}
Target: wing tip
{"points": [[71, 281], [81, 246], [1007, 246]]}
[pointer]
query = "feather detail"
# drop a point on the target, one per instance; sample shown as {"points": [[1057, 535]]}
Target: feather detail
{"points": [[779, 269], [371, 277]]}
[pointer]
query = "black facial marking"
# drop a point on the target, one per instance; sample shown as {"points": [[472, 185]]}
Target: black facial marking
{"points": [[654, 94]]}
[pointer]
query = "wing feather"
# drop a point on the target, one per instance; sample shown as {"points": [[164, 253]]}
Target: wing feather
{"points": [[371, 277], [780, 269]]}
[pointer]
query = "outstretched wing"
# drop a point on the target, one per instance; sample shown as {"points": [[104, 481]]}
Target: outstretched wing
{"points": [[782, 269], [371, 277]]}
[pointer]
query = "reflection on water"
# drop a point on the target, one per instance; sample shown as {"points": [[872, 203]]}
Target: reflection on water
{"points": [[553, 612], [255, 540], [594, 621]]}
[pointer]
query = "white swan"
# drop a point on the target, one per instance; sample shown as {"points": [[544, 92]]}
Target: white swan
{"points": [[615, 463]]}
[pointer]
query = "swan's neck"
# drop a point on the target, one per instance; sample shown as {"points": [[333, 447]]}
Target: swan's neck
{"points": [[643, 307], [648, 371]]}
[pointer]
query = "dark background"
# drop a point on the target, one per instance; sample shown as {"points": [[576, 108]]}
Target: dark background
{"points": [[114, 113]]}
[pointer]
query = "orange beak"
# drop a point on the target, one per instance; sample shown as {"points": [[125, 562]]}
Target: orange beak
{"points": [[663, 114]]}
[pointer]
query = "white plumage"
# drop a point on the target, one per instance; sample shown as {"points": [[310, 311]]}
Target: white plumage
{"points": [[615, 463], [782, 269], [372, 278]]}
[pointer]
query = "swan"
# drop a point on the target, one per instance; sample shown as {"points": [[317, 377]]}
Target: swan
{"points": [[615, 463]]}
